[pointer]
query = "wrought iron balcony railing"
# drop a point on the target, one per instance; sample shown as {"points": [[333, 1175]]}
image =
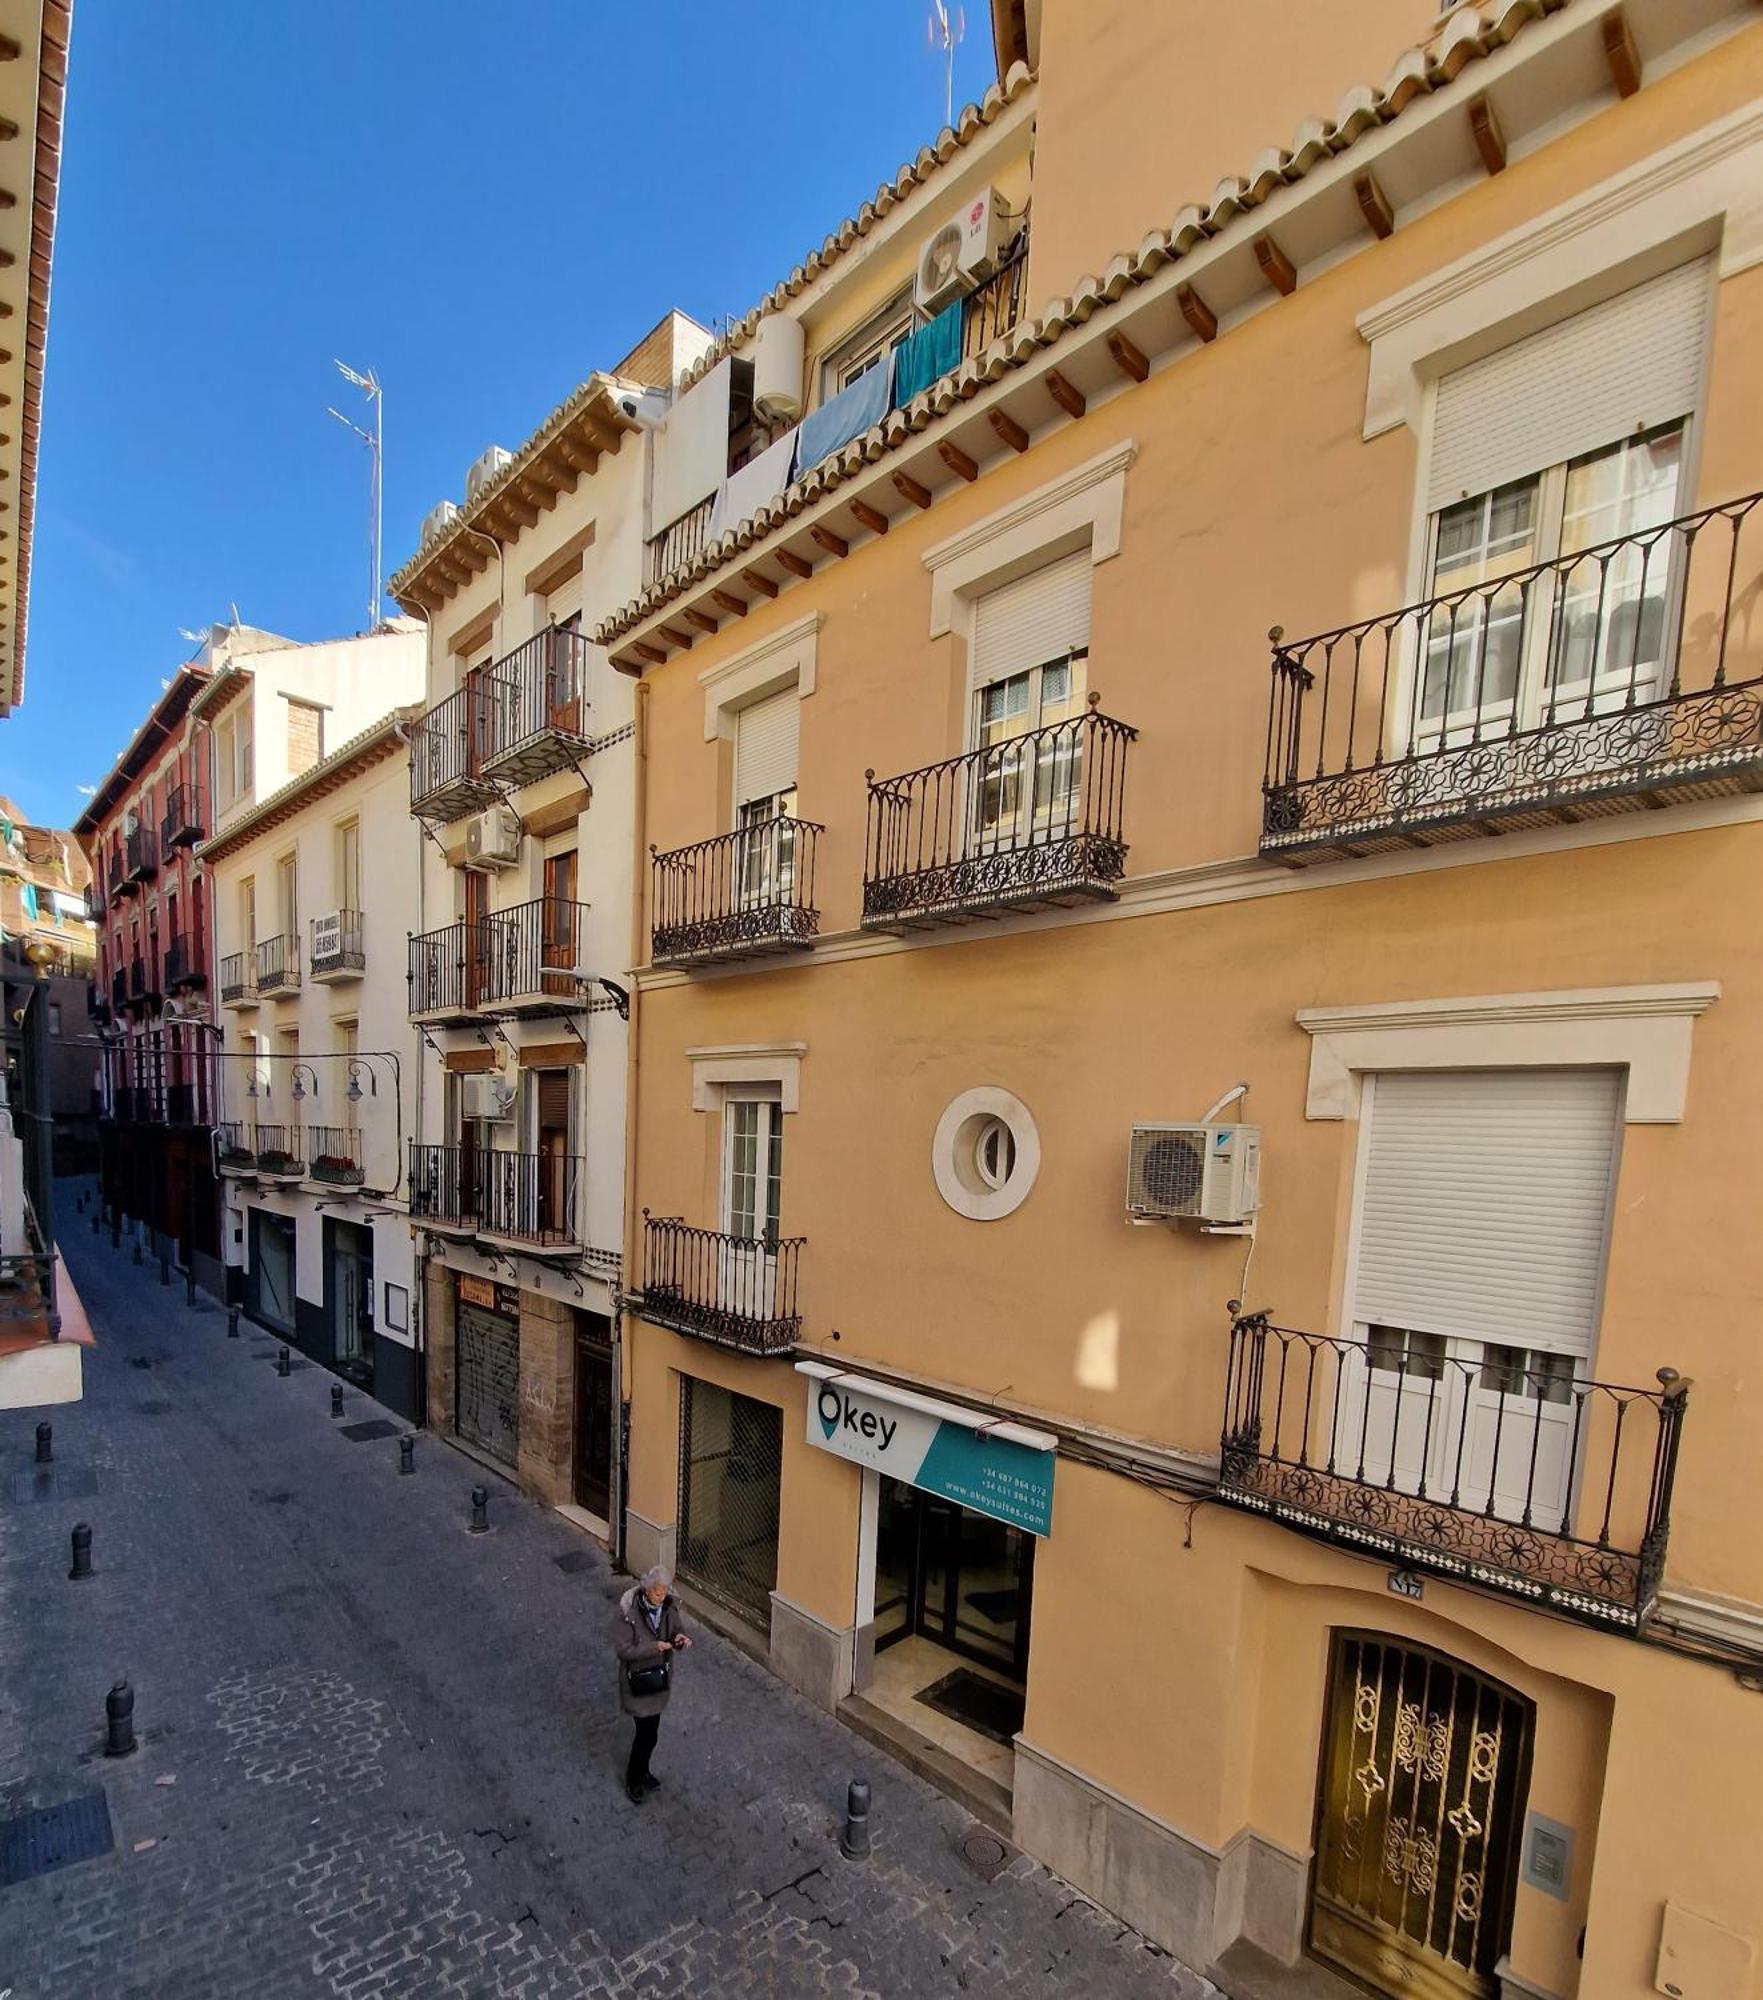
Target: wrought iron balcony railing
{"points": [[523, 958], [280, 1151], [95, 898], [1625, 675], [991, 309], [527, 1197], [436, 975], [1508, 1471], [140, 854], [442, 1187], [238, 979], [183, 824], [278, 965], [236, 1147], [334, 1155], [680, 542], [736, 896], [1034, 820], [140, 979], [186, 963], [336, 950], [535, 707], [119, 989], [446, 756], [739, 1291], [183, 1104]]}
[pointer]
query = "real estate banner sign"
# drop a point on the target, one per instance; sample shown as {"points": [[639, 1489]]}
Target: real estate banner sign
{"points": [[992, 1475]]}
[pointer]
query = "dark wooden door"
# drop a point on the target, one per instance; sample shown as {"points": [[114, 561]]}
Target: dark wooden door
{"points": [[595, 1401]]}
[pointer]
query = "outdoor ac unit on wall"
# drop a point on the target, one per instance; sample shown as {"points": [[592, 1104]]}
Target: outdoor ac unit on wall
{"points": [[490, 1097], [1199, 1173], [485, 467], [960, 254], [492, 839], [437, 519]]}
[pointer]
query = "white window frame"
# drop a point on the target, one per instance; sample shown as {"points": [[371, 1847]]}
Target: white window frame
{"points": [[886, 329], [766, 1103]]}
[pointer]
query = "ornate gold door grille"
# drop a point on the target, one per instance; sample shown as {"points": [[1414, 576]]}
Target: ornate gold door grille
{"points": [[1425, 1771]]}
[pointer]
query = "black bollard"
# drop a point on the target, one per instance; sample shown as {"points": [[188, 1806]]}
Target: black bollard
{"points": [[407, 1454], [283, 1364], [232, 1322], [137, 1256], [190, 1282], [119, 1714], [164, 1268], [854, 1841], [480, 1510], [45, 1443], [82, 1554], [336, 1399]]}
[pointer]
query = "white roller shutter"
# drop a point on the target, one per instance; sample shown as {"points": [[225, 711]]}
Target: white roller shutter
{"points": [[1485, 1204], [765, 747], [1626, 365], [1039, 617], [566, 600]]}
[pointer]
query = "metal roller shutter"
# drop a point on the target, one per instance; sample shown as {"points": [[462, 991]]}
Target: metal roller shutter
{"points": [[1485, 1206], [765, 747], [1040, 617], [1620, 367]]}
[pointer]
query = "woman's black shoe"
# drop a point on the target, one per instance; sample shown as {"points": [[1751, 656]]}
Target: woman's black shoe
{"points": [[636, 1794], [651, 1783]]}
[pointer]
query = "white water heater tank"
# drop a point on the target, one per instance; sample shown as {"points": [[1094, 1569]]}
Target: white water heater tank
{"points": [[778, 358]]}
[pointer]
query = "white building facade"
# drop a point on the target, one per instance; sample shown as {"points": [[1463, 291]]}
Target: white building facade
{"points": [[312, 875]]}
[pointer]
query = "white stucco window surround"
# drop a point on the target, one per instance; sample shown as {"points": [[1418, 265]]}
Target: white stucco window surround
{"points": [[786, 659], [715, 1071], [1644, 1030], [1702, 195], [1081, 506], [986, 1154]]}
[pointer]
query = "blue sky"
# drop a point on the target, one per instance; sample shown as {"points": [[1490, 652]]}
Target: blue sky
{"points": [[251, 189]]}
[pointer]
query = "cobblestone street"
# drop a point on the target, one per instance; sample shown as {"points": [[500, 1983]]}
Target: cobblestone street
{"points": [[380, 1755]]}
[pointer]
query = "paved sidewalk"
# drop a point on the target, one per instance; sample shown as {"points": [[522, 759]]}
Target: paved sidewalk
{"points": [[380, 1756]]}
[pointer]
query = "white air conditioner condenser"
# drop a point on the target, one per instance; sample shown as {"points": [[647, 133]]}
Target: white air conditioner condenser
{"points": [[1198, 1173], [955, 258], [488, 1097], [492, 839]]}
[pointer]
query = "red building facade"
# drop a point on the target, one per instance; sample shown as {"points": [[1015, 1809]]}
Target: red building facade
{"points": [[149, 900]]}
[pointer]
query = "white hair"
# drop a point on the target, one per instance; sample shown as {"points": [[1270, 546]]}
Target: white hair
{"points": [[654, 1575]]}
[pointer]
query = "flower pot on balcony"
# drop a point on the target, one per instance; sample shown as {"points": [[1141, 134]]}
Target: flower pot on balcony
{"points": [[336, 1171]]}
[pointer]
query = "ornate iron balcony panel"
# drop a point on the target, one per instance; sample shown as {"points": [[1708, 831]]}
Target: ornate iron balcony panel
{"points": [[183, 824], [528, 1197], [336, 950], [1516, 1477], [1606, 680], [335, 1155], [436, 974], [237, 1150], [238, 979], [534, 708], [141, 851], [1025, 823], [443, 1187], [739, 1291], [278, 966], [281, 1153], [522, 960], [446, 757], [738, 896]]}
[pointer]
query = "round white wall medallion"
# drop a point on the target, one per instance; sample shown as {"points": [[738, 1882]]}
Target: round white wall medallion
{"points": [[986, 1154]]}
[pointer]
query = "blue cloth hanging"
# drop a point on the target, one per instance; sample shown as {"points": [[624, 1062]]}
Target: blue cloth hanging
{"points": [[850, 413], [928, 355]]}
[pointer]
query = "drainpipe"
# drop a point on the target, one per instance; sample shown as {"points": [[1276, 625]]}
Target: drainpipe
{"points": [[632, 1238]]}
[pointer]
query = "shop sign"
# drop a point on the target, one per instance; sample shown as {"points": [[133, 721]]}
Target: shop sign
{"points": [[992, 1475], [476, 1291]]}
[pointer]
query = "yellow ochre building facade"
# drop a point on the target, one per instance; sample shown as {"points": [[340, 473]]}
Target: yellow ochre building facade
{"points": [[1190, 1241]]}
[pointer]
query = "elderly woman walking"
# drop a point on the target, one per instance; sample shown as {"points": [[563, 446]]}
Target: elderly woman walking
{"points": [[646, 1636]]}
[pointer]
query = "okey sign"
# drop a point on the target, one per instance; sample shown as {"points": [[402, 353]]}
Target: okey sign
{"points": [[992, 1475]]}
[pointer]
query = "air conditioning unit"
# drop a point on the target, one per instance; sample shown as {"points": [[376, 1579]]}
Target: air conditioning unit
{"points": [[437, 520], [485, 468], [488, 1097], [492, 839], [962, 253], [1200, 1173]]}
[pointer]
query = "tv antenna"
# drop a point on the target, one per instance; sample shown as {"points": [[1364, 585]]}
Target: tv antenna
{"points": [[369, 385], [946, 28]]}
